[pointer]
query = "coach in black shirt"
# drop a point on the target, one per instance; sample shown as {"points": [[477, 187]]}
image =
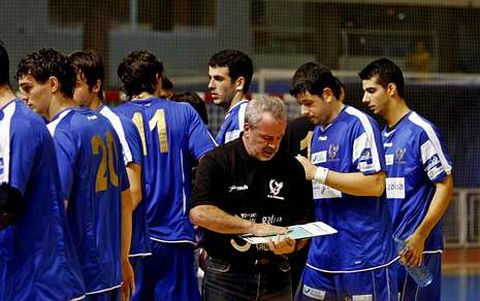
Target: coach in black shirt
{"points": [[248, 186]]}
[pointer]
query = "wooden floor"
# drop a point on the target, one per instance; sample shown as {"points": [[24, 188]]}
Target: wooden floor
{"points": [[461, 261]]}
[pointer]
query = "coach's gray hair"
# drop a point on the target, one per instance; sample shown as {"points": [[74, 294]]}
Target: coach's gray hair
{"points": [[264, 104]]}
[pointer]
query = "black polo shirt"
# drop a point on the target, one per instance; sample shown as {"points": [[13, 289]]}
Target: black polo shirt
{"points": [[273, 192]]}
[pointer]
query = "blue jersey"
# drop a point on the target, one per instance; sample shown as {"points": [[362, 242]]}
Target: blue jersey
{"points": [[351, 143], [92, 177], [131, 142], [233, 124], [416, 158], [38, 259], [177, 134]]}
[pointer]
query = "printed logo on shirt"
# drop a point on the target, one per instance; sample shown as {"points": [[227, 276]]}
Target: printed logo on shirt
{"points": [[432, 161], [395, 188], [319, 157], [249, 216], [275, 188], [400, 154], [321, 191], [389, 159], [322, 138], [388, 144], [92, 117], [238, 188], [366, 155], [313, 293], [232, 135], [333, 151]]}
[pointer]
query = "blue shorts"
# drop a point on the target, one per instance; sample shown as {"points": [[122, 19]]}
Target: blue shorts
{"points": [[410, 291], [372, 285], [167, 275]]}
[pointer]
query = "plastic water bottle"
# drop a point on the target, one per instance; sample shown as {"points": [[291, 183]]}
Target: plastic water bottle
{"points": [[421, 274]]}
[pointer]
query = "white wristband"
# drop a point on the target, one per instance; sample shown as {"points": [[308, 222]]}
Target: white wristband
{"points": [[321, 174]]}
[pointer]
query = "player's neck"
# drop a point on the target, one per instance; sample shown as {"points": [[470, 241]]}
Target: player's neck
{"points": [[59, 104], [236, 99], [143, 95], [6, 96], [95, 104], [396, 112]]}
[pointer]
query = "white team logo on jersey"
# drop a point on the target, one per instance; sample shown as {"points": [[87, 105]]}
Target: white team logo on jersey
{"points": [[275, 188], [333, 151], [400, 154]]}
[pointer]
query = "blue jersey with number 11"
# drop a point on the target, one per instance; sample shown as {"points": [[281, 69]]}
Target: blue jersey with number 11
{"points": [[177, 134]]}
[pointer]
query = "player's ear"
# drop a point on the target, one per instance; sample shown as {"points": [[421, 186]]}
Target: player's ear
{"points": [[54, 84], [239, 83], [391, 89], [328, 95], [97, 86]]}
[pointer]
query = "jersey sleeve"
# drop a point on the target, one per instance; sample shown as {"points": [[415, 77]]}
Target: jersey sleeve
{"points": [[134, 141], [23, 149], [67, 150], [435, 159], [367, 154], [199, 139]]}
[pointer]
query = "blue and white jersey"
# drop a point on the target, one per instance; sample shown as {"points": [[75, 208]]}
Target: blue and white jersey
{"points": [[92, 175], [131, 142], [233, 124], [416, 159], [351, 143], [38, 258], [177, 135]]}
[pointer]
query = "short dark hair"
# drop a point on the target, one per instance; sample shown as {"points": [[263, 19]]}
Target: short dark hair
{"points": [[386, 72], [238, 64], [49, 62], [195, 101], [313, 77], [138, 72], [90, 64], [4, 66]]}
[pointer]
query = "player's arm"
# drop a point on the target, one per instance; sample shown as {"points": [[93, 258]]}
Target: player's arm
{"points": [[10, 203], [134, 172], [354, 183], [127, 271], [440, 202]]}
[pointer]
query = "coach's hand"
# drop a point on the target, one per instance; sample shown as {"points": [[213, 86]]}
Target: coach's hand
{"points": [[281, 245], [259, 229], [128, 278]]}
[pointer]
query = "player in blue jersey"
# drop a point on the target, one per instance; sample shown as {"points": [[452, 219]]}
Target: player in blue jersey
{"points": [[419, 175], [230, 74], [39, 261], [176, 134], [89, 93], [347, 168], [92, 175]]}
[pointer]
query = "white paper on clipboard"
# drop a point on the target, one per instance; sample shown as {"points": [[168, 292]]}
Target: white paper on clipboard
{"points": [[295, 232]]}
